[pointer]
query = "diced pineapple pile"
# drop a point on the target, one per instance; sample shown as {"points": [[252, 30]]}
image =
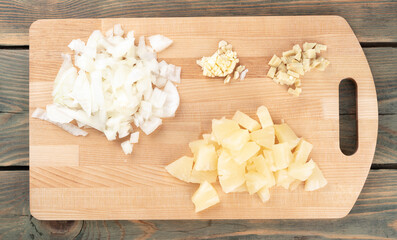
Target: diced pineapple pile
{"points": [[247, 156], [294, 63]]}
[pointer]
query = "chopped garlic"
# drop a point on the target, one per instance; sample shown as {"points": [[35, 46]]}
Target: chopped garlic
{"points": [[227, 79], [272, 72], [288, 69], [240, 68], [243, 74], [295, 92], [236, 75], [222, 63]]}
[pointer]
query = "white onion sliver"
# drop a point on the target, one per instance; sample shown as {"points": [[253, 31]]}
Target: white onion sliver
{"points": [[159, 42], [134, 138], [150, 125], [127, 147], [68, 127]]}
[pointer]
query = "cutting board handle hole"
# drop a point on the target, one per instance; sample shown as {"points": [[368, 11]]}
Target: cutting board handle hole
{"points": [[348, 133]]}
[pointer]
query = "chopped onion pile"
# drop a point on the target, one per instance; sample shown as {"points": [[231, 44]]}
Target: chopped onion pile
{"points": [[112, 83]]}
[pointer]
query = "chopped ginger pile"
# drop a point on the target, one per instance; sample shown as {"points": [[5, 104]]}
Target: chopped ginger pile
{"points": [[247, 156], [288, 69], [223, 64]]}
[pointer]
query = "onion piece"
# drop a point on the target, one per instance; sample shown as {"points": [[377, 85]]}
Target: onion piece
{"points": [[159, 42], [134, 138], [172, 102], [68, 127], [150, 125], [127, 147]]}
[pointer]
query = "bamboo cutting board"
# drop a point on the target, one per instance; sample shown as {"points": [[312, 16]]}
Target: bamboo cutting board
{"points": [[91, 178]]}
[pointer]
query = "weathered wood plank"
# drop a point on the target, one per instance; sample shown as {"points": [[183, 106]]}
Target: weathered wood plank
{"points": [[14, 139], [14, 193], [14, 80], [372, 217], [382, 62], [372, 21]]}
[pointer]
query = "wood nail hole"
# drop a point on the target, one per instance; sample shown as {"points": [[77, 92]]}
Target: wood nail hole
{"points": [[348, 133]]}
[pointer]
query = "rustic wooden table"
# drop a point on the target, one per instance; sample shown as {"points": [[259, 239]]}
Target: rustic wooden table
{"points": [[374, 215]]}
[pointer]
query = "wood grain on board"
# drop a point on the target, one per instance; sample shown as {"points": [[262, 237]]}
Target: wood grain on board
{"points": [[110, 185], [372, 21], [372, 217], [14, 141]]}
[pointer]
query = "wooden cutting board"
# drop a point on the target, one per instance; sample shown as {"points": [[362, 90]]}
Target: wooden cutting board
{"points": [[91, 178]]}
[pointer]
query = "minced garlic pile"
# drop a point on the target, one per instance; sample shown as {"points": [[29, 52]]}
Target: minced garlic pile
{"points": [[294, 63], [223, 64]]}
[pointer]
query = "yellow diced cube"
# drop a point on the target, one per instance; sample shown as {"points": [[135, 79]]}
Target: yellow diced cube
{"points": [[275, 61], [264, 117], [264, 137], [201, 176], [302, 151], [236, 140], [283, 179], [246, 122], [264, 194], [181, 168], [205, 197], [206, 159], [271, 72], [316, 180], [231, 174], [285, 134], [255, 181], [301, 171], [249, 150], [222, 128], [282, 155]]}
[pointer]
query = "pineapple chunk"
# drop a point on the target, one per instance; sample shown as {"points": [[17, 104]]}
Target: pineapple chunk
{"points": [[210, 139], [206, 159], [262, 167], [205, 196], [181, 168], [255, 181], [283, 179], [264, 137], [246, 122], [301, 171], [316, 180], [302, 151], [248, 151], [222, 128], [264, 117], [285, 134], [231, 174], [196, 145], [201, 176], [236, 140], [250, 165], [264, 194], [294, 185], [268, 155], [282, 156]]}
